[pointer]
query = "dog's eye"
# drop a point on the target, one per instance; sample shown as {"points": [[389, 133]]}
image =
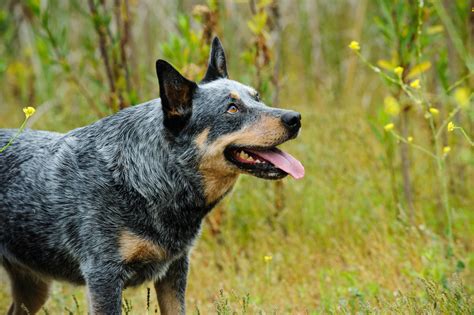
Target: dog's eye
{"points": [[232, 109]]}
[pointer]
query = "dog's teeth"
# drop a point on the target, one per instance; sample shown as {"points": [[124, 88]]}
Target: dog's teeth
{"points": [[258, 161], [250, 159]]}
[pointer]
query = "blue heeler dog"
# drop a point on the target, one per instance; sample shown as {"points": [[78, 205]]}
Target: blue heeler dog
{"points": [[121, 201]]}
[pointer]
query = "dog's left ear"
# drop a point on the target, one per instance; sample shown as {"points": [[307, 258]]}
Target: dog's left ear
{"points": [[176, 93], [217, 67]]}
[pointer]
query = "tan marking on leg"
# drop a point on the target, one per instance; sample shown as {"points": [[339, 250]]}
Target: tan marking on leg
{"points": [[219, 174], [134, 248], [29, 292], [167, 299]]}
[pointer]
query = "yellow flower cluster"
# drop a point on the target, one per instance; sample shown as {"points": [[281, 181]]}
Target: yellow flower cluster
{"points": [[389, 127], [434, 111], [29, 111], [391, 106], [267, 258], [461, 95], [451, 126], [354, 45], [446, 150], [415, 84], [398, 71]]}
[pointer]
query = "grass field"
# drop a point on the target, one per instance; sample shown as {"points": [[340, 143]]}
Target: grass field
{"points": [[352, 236]]}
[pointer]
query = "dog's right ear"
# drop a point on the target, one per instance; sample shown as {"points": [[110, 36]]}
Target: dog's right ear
{"points": [[217, 66], [176, 93]]}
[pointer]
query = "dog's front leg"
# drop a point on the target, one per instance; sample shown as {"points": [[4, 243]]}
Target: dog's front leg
{"points": [[171, 289], [105, 287]]}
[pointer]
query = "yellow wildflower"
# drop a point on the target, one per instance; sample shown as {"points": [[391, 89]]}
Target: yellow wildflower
{"points": [[267, 258], [387, 65], [418, 69], [391, 106], [434, 111], [29, 111], [354, 45], [410, 139], [398, 71], [16, 69], [461, 95], [415, 84], [451, 126], [389, 127], [435, 29], [446, 150]]}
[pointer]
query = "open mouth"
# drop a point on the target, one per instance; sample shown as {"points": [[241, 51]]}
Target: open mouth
{"points": [[268, 163]]}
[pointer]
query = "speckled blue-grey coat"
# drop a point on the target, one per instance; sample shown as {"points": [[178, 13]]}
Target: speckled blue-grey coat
{"points": [[121, 201]]}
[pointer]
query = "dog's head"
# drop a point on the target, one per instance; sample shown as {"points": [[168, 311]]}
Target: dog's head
{"points": [[233, 130]]}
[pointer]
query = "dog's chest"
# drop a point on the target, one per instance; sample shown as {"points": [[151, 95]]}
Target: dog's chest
{"points": [[139, 272]]}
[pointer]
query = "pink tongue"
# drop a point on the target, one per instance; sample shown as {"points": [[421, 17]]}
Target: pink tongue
{"points": [[283, 161]]}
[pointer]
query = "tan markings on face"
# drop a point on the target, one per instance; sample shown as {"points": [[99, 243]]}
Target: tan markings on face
{"points": [[134, 248], [202, 138], [235, 95], [219, 174], [167, 299], [253, 92], [219, 177]]}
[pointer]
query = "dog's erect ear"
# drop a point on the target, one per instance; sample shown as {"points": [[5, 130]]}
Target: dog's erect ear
{"points": [[217, 68], [176, 94]]}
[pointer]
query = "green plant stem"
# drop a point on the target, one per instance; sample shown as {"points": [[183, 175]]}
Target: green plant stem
{"points": [[459, 82], [465, 135], [419, 30], [376, 69], [446, 121], [398, 137], [441, 170], [20, 130], [445, 196], [456, 39], [398, 82]]}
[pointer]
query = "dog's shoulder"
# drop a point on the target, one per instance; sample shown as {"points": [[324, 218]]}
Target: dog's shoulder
{"points": [[28, 145]]}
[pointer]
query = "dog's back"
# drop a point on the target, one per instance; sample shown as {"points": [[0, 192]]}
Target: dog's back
{"points": [[20, 164], [20, 161]]}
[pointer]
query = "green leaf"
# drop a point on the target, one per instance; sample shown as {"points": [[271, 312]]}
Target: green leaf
{"points": [[258, 23], [460, 266]]}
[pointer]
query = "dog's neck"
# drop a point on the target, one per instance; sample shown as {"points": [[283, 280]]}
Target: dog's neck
{"points": [[142, 159]]}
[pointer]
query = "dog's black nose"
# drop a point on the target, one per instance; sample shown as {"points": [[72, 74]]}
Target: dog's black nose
{"points": [[292, 120]]}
